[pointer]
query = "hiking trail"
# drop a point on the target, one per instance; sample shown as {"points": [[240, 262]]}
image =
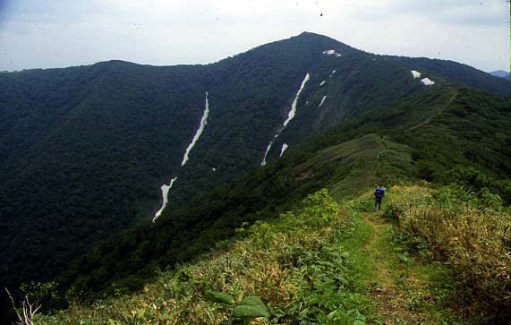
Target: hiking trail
{"points": [[404, 290]]}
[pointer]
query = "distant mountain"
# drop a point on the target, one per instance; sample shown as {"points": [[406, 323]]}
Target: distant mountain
{"points": [[84, 151], [500, 74]]}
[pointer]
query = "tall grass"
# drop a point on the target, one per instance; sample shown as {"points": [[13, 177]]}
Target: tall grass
{"points": [[469, 233]]}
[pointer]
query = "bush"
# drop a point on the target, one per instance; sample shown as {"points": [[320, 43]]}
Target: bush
{"points": [[471, 235]]}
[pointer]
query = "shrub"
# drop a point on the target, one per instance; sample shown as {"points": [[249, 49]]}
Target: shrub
{"points": [[471, 236]]}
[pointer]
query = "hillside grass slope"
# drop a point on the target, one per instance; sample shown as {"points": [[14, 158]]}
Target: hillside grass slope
{"points": [[336, 263]]}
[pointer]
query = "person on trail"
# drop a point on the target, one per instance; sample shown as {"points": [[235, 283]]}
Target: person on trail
{"points": [[379, 193]]}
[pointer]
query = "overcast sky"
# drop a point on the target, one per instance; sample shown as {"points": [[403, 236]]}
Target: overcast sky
{"points": [[60, 33]]}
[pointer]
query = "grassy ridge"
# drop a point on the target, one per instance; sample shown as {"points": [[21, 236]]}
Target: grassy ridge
{"points": [[420, 260], [295, 264]]}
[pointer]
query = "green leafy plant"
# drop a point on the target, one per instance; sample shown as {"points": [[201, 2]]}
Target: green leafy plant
{"points": [[247, 309]]}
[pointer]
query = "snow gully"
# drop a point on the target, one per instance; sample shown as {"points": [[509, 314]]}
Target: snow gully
{"points": [[165, 189], [290, 115], [203, 123]]}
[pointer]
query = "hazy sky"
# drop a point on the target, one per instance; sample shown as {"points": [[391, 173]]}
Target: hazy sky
{"points": [[60, 33]]}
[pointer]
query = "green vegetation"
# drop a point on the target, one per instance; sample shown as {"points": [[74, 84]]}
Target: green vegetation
{"points": [[129, 259], [470, 233], [84, 150], [330, 263], [457, 72], [295, 264], [404, 288], [346, 167]]}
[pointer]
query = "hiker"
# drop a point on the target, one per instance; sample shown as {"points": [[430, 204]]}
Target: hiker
{"points": [[379, 193]]}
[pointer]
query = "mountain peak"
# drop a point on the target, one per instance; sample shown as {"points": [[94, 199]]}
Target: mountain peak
{"points": [[321, 41], [315, 36], [310, 34]]}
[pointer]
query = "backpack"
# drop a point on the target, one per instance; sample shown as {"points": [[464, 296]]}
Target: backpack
{"points": [[379, 193]]}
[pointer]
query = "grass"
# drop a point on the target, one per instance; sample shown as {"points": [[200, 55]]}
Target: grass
{"points": [[466, 235], [325, 263], [295, 265], [403, 289]]}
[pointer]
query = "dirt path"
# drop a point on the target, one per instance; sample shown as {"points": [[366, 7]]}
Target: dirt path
{"points": [[402, 292]]}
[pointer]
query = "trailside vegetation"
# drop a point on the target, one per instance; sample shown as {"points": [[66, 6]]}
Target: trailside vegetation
{"points": [[467, 231], [291, 269]]}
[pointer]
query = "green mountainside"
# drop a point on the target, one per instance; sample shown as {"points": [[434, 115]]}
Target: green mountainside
{"points": [[84, 151], [432, 136], [275, 248]]}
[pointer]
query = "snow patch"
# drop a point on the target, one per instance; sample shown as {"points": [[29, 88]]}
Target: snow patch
{"points": [[290, 115], [415, 74], [332, 52], [203, 123], [165, 189], [322, 83], [263, 163], [322, 101], [427, 82], [284, 148], [292, 112]]}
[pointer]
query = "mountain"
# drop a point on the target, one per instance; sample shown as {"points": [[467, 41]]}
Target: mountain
{"points": [[85, 150], [500, 74], [428, 136]]}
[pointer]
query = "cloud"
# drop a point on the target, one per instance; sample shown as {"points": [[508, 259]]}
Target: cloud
{"points": [[41, 33], [463, 12]]}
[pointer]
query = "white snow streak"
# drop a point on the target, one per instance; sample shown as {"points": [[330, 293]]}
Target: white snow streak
{"points": [[203, 123], [165, 194], [290, 116], [332, 52], [165, 189], [427, 82], [292, 112], [284, 148], [322, 83], [415, 74], [263, 163], [322, 101]]}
